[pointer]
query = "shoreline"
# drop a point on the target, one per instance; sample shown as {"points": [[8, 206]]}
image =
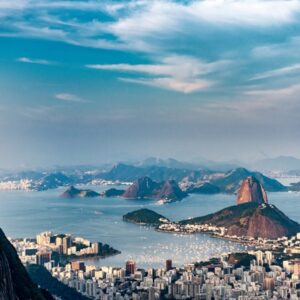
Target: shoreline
{"points": [[211, 234]]}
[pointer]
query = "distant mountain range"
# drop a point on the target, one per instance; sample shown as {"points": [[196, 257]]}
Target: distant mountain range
{"points": [[123, 172], [190, 177]]}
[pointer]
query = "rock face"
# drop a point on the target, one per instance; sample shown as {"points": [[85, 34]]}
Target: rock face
{"points": [[73, 192], [145, 187], [251, 190], [170, 191], [15, 283], [252, 220]]}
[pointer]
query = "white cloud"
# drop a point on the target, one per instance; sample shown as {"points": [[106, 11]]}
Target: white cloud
{"points": [[277, 72], [183, 86], [288, 48], [276, 93], [151, 27], [137, 21], [178, 73], [34, 61], [69, 98]]}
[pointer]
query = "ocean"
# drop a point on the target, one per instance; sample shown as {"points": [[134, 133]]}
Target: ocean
{"points": [[24, 214]]}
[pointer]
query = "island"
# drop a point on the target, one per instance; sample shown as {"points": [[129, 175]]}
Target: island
{"points": [[73, 192], [145, 216], [112, 192]]}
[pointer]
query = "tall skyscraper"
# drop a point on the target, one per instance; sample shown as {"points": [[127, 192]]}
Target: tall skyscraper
{"points": [[269, 283], [130, 267], [66, 244], [168, 264], [77, 265]]}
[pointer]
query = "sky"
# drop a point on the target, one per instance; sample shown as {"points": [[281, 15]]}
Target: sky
{"points": [[87, 82]]}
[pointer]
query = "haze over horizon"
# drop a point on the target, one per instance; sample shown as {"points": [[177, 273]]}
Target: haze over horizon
{"points": [[87, 82]]}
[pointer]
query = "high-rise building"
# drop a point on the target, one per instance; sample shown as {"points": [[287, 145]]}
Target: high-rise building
{"points": [[269, 283], [91, 288], [43, 257], [66, 244], [59, 239], [269, 257], [168, 264], [151, 295], [96, 248], [77, 265], [44, 238], [296, 270], [130, 267], [259, 257]]}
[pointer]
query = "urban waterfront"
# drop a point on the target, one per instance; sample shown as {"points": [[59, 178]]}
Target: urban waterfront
{"points": [[24, 214]]}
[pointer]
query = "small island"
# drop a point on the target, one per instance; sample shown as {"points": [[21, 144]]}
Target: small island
{"points": [[145, 216], [112, 192], [73, 192]]}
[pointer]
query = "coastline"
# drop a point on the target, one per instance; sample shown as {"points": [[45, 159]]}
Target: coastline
{"points": [[251, 243]]}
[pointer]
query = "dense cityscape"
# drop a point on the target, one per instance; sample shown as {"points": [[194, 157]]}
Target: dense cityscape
{"points": [[246, 275]]}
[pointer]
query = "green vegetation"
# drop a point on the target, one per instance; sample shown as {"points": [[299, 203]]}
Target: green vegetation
{"points": [[240, 259], [144, 216]]}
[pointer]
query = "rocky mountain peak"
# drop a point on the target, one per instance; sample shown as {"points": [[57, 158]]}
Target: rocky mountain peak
{"points": [[251, 190]]}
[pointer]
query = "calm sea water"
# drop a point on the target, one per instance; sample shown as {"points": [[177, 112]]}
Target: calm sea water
{"points": [[24, 214]]}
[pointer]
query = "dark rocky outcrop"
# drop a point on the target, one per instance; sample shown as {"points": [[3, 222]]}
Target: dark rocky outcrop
{"points": [[73, 192], [170, 191], [113, 193], [15, 283], [251, 190], [145, 187], [144, 216]]}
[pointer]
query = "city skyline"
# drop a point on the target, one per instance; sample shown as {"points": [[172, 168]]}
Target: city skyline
{"points": [[87, 82]]}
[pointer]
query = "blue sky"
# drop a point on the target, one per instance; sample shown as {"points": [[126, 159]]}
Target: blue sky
{"points": [[96, 81]]}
